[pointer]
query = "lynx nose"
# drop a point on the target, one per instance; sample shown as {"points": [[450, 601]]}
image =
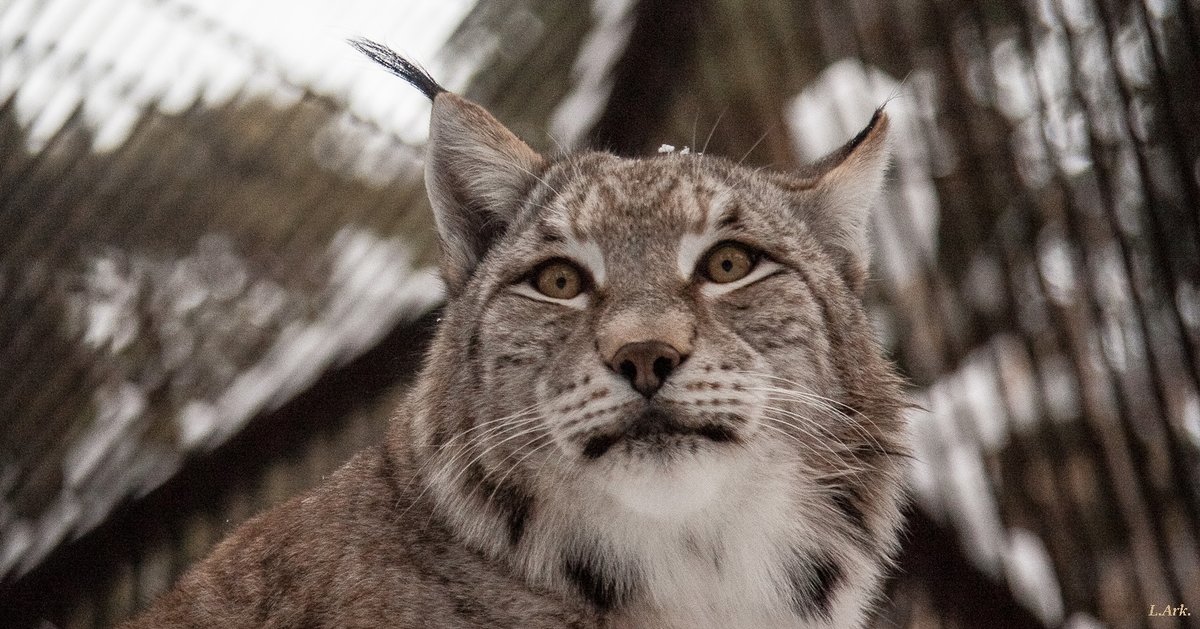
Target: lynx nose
{"points": [[645, 365]]}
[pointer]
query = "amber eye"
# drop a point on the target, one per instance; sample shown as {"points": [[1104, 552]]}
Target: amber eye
{"points": [[728, 262], [558, 279]]}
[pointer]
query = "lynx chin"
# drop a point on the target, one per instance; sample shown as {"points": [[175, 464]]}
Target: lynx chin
{"points": [[654, 401]]}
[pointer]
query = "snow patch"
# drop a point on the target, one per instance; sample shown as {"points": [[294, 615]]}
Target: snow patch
{"points": [[1055, 261], [1190, 416], [592, 72], [121, 58], [108, 304], [836, 106], [372, 285], [1031, 576], [1081, 620], [117, 411]]}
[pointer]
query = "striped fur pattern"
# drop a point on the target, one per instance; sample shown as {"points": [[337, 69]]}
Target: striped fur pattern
{"points": [[528, 482]]}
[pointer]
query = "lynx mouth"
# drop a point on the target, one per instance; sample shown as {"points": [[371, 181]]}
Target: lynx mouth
{"points": [[657, 429]]}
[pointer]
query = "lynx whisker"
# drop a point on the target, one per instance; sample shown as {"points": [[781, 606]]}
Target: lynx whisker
{"points": [[808, 391], [803, 424], [714, 129], [837, 415], [801, 427], [465, 449], [831, 403], [446, 467], [753, 146], [500, 483], [806, 446], [473, 442], [519, 415], [520, 433], [562, 148]]}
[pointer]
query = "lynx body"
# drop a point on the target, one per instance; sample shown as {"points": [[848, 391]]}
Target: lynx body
{"points": [[653, 401]]}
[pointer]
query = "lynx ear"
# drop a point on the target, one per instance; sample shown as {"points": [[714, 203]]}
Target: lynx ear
{"points": [[839, 192], [476, 170]]}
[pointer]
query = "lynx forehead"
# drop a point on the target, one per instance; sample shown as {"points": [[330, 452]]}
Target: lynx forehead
{"points": [[652, 204]]}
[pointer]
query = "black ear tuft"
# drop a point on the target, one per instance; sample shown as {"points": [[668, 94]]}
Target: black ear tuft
{"points": [[876, 118], [412, 73]]}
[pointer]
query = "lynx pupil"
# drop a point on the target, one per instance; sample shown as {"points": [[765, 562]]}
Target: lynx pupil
{"points": [[728, 262], [558, 279]]}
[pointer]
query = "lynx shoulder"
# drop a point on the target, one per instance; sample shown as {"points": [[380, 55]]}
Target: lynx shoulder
{"points": [[654, 401]]}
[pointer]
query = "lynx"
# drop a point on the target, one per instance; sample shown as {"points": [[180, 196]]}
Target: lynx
{"points": [[654, 400]]}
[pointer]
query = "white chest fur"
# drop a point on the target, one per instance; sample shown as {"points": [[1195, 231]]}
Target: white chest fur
{"points": [[711, 541]]}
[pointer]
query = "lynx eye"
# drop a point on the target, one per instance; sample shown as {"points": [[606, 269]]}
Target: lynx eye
{"points": [[728, 262], [558, 279]]}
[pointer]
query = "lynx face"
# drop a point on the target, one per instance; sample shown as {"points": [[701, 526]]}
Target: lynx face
{"points": [[657, 319], [654, 384]]}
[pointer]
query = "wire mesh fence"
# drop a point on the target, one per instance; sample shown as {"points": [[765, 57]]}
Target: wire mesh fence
{"points": [[181, 270]]}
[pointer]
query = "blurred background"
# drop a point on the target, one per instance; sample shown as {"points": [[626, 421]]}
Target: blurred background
{"points": [[216, 280]]}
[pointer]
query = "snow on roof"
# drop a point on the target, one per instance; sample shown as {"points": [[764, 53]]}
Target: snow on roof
{"points": [[116, 57]]}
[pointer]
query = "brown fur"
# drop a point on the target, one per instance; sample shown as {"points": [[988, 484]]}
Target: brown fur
{"points": [[346, 555], [526, 484]]}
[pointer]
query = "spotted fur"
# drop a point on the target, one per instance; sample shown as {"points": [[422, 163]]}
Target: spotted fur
{"points": [[526, 483]]}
